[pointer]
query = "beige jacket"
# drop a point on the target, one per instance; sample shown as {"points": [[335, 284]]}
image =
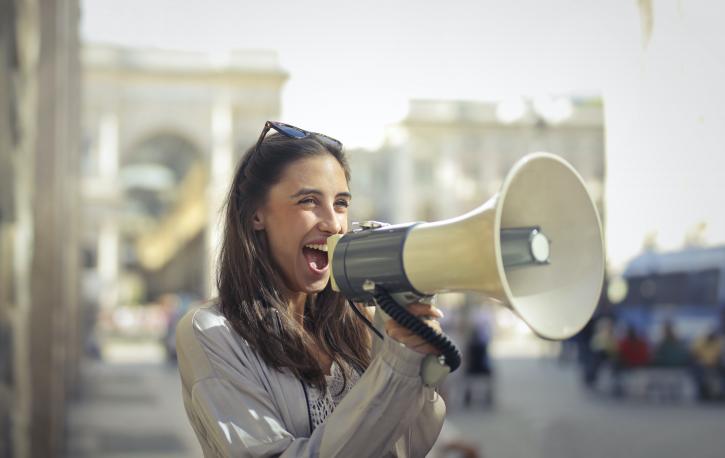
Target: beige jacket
{"points": [[239, 407]]}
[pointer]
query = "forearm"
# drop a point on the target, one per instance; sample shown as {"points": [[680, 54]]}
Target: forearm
{"points": [[422, 434], [388, 401]]}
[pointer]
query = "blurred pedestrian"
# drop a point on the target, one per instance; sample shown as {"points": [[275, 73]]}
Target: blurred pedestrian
{"points": [[707, 368], [632, 351], [477, 367], [603, 349], [670, 351]]}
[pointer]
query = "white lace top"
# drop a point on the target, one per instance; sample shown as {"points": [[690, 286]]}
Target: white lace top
{"points": [[321, 404]]}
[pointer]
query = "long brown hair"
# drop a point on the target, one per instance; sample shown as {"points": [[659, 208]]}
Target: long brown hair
{"points": [[250, 287]]}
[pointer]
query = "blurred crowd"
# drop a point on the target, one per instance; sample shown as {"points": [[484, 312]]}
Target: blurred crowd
{"points": [[622, 348]]}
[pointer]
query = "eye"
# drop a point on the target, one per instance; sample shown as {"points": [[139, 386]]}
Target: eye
{"points": [[307, 201], [342, 203]]}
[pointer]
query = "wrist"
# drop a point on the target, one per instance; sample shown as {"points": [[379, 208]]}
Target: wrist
{"points": [[400, 358]]}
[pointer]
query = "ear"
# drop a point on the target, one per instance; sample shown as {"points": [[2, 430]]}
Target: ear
{"points": [[258, 221]]}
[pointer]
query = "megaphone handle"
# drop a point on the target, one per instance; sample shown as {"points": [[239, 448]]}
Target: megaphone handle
{"points": [[450, 355], [432, 371]]}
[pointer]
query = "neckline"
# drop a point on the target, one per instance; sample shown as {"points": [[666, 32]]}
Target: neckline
{"points": [[334, 371]]}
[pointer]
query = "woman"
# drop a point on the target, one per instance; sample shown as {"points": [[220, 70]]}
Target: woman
{"points": [[280, 364]]}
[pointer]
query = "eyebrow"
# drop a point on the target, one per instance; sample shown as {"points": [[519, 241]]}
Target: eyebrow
{"points": [[305, 191]]}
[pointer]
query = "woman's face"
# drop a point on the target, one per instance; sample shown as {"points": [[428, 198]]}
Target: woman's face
{"points": [[305, 207]]}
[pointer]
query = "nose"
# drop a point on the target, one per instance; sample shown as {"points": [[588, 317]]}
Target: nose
{"points": [[330, 221]]}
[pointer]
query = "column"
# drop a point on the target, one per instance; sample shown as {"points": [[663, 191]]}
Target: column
{"points": [[108, 265], [221, 167]]}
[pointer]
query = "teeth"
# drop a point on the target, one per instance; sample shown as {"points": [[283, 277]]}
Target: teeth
{"points": [[317, 247]]}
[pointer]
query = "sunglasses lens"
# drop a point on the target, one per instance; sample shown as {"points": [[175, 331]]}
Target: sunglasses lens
{"points": [[329, 142], [295, 132], [290, 131]]}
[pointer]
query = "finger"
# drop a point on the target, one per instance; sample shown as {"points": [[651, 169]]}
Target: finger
{"points": [[430, 322], [404, 335], [416, 343], [435, 325], [419, 344], [419, 309], [412, 340], [422, 347], [397, 333], [391, 324]]}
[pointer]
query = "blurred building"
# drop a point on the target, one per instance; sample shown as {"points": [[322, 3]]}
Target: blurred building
{"points": [[39, 224], [162, 131], [456, 154], [448, 157]]}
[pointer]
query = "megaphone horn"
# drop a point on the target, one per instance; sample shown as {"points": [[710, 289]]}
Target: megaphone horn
{"points": [[535, 247]]}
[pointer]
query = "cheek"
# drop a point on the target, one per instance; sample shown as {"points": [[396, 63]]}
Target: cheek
{"points": [[287, 231], [283, 242]]}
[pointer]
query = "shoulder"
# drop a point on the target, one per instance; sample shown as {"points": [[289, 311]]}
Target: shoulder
{"points": [[205, 322], [206, 343]]}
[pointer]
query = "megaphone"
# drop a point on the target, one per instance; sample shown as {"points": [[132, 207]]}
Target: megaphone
{"points": [[535, 247]]}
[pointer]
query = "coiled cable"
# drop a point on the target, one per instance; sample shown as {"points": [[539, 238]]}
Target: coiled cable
{"points": [[451, 355]]}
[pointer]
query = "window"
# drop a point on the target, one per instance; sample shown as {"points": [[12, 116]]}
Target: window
{"points": [[678, 288]]}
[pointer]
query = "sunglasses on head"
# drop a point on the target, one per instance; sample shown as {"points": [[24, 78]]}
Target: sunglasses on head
{"points": [[295, 132]]}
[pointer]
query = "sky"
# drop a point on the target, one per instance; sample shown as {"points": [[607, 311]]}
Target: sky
{"points": [[354, 65]]}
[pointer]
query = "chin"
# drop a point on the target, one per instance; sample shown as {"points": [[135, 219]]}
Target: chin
{"points": [[316, 286]]}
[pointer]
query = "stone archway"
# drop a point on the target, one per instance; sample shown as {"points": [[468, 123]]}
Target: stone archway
{"points": [[163, 178]]}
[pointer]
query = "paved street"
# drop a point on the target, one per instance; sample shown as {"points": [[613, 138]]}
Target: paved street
{"points": [[542, 412], [131, 409], [135, 410]]}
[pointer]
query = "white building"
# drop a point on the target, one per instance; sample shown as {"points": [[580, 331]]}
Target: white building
{"points": [[162, 133], [456, 154]]}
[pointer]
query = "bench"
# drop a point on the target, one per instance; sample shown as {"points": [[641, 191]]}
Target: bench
{"points": [[654, 383]]}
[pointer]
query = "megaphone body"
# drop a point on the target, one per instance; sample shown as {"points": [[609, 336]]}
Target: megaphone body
{"points": [[535, 247]]}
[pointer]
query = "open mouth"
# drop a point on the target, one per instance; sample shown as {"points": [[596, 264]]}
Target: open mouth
{"points": [[316, 256]]}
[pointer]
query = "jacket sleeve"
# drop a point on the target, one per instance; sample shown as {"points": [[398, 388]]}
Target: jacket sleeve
{"points": [[423, 433], [389, 404], [234, 415]]}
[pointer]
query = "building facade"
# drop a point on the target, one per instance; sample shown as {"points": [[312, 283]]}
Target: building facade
{"points": [[457, 154], [449, 157], [162, 133]]}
